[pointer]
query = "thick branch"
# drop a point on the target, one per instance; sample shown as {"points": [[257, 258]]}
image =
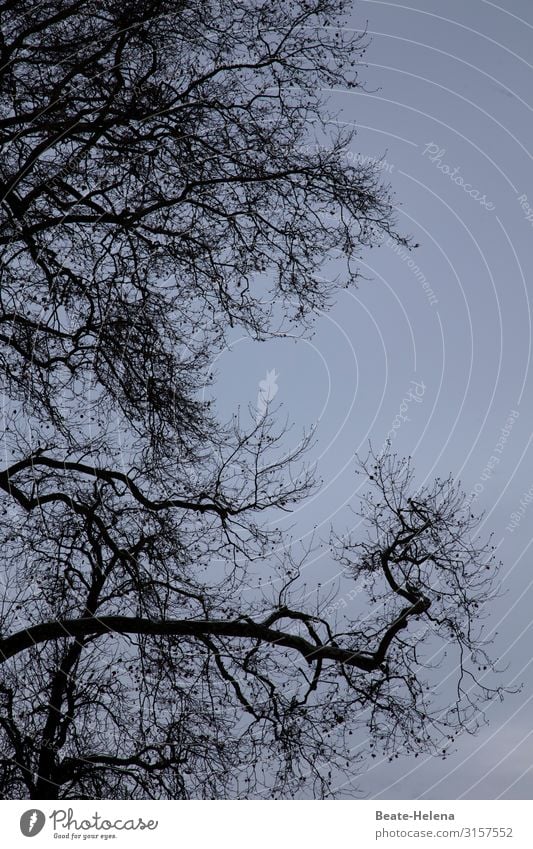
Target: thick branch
{"points": [[107, 475], [92, 626]]}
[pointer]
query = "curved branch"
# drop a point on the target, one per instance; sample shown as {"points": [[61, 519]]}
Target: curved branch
{"points": [[97, 626], [108, 475]]}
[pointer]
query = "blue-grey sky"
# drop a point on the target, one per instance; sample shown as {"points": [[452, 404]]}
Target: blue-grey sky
{"points": [[449, 105]]}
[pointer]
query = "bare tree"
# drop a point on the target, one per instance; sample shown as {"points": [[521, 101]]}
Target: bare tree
{"points": [[168, 171], [422, 561]]}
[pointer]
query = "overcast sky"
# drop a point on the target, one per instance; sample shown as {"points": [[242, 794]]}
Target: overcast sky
{"points": [[449, 105]]}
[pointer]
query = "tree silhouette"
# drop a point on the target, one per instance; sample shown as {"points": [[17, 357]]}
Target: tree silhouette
{"points": [[168, 173]]}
